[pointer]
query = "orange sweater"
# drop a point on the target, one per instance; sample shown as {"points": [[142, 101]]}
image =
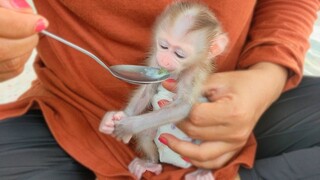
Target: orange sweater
{"points": [[74, 92]]}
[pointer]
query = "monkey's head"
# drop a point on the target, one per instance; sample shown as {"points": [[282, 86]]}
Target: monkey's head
{"points": [[187, 34]]}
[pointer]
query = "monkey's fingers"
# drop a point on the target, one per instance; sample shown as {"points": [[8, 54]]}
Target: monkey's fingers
{"points": [[107, 130], [107, 124], [119, 115]]}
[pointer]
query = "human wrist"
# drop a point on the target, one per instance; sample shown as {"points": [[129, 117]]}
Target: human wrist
{"points": [[271, 67], [276, 73], [270, 81]]}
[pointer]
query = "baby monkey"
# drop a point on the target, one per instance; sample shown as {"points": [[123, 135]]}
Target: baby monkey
{"points": [[187, 38]]}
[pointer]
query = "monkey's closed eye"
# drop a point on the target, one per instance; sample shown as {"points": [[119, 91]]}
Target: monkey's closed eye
{"points": [[180, 54], [163, 47], [163, 44]]}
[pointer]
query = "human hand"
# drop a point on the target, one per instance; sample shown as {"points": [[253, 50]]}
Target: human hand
{"points": [[170, 84], [18, 35], [237, 100]]}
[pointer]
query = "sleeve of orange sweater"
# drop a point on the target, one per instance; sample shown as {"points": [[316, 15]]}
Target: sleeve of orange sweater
{"points": [[279, 34]]}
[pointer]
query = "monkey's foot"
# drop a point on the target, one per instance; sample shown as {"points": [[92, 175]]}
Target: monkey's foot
{"points": [[139, 166], [107, 124], [200, 174]]}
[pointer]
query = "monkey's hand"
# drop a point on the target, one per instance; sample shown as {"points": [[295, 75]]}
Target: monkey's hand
{"points": [[107, 124]]}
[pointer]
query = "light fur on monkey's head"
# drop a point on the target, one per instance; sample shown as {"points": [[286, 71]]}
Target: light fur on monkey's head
{"points": [[186, 17]]}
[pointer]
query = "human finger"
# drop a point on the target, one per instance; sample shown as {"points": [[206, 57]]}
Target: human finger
{"points": [[12, 48], [14, 25], [213, 113], [214, 121], [197, 152], [214, 163], [17, 5], [12, 67], [227, 133], [170, 85]]}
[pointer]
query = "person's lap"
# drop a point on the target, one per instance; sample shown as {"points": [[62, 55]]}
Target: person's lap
{"points": [[288, 136], [292, 122], [28, 151]]}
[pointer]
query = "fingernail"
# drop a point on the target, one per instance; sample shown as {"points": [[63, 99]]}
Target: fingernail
{"points": [[163, 140], [20, 4], [163, 102], [185, 159], [40, 25], [170, 80]]}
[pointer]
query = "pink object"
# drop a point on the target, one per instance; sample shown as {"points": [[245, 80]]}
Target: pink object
{"points": [[171, 80], [20, 4], [109, 121], [107, 124], [186, 159], [163, 102], [200, 174], [40, 25], [163, 140], [167, 62], [139, 166]]}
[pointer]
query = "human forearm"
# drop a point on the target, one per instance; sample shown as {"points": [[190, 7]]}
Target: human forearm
{"points": [[273, 78]]}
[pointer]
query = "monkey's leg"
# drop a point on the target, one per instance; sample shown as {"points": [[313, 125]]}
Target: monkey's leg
{"points": [[200, 174], [150, 163], [145, 143]]}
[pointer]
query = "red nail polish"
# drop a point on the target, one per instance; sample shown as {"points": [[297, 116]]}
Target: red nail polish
{"points": [[40, 25], [20, 4], [163, 140], [186, 159], [163, 102], [170, 80]]}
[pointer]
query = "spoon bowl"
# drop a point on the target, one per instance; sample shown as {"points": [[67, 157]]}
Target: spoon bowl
{"points": [[130, 73], [138, 74]]}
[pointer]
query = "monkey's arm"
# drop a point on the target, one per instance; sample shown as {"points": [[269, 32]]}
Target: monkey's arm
{"points": [[140, 99], [137, 105], [173, 113], [142, 96]]}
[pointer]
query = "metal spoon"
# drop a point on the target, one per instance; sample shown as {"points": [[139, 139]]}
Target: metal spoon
{"points": [[130, 73]]}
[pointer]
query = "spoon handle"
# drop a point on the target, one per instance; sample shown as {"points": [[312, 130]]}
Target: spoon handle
{"points": [[76, 47]]}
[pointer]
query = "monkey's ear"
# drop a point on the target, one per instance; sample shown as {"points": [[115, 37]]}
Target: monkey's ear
{"points": [[219, 44]]}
